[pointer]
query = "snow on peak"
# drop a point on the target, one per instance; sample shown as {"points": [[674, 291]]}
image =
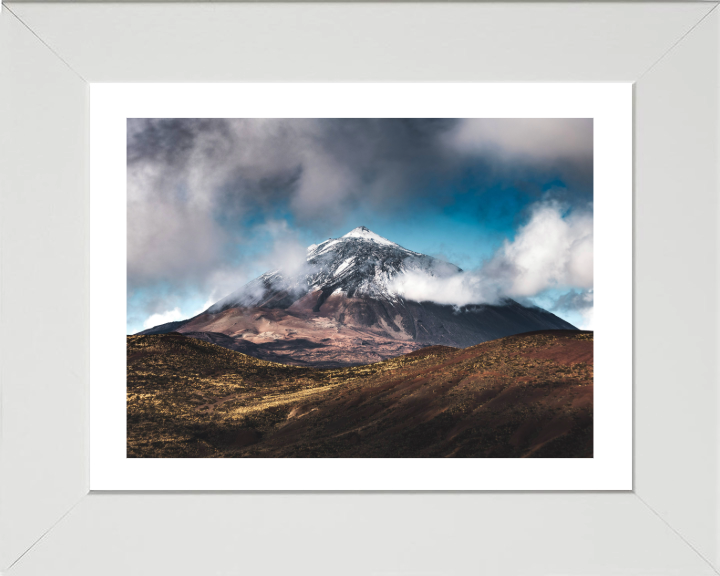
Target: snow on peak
{"points": [[360, 263], [366, 234]]}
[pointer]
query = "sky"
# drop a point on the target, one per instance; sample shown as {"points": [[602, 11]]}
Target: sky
{"points": [[213, 203]]}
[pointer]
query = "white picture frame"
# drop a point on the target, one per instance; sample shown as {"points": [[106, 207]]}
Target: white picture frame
{"points": [[50, 523], [610, 107]]}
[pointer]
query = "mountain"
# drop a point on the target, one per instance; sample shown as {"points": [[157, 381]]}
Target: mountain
{"points": [[361, 264], [341, 306]]}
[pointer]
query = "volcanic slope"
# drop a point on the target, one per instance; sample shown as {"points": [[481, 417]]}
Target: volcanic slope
{"points": [[529, 395], [345, 308]]}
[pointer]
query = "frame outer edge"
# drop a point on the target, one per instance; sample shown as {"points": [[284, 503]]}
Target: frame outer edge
{"points": [[44, 290], [677, 249], [11, 159]]}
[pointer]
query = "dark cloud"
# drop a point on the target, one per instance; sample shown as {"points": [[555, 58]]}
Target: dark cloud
{"points": [[545, 145], [168, 140]]}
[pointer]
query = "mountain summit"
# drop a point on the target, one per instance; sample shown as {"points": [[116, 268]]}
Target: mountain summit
{"points": [[367, 234], [343, 307], [358, 264]]}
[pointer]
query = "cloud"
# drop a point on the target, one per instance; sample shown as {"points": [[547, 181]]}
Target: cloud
{"points": [[163, 318], [193, 184], [285, 256], [286, 253], [175, 314], [444, 286], [534, 139], [202, 192], [577, 301], [554, 249], [563, 145]]}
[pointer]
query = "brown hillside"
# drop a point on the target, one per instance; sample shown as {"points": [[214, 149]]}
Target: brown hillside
{"points": [[529, 395]]}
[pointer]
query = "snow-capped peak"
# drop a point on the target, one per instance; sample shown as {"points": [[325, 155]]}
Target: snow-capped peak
{"points": [[360, 263], [366, 234]]}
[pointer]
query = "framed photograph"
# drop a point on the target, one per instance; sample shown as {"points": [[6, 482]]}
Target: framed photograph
{"points": [[355, 361], [258, 267]]}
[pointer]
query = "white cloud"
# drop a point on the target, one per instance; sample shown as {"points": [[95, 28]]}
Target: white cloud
{"points": [[176, 314], [457, 289], [287, 253], [553, 250], [163, 318]]}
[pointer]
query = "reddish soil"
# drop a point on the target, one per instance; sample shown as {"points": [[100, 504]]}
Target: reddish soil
{"points": [[567, 351]]}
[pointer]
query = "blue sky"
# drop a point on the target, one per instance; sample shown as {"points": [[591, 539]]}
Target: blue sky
{"points": [[212, 203]]}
